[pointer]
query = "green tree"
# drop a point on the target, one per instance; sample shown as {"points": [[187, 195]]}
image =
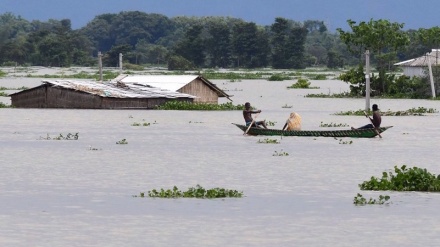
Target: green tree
{"points": [[192, 46], [288, 39], [218, 44], [111, 58], [249, 45], [382, 37]]}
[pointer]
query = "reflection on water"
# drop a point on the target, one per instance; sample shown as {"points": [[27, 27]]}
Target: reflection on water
{"points": [[64, 192]]}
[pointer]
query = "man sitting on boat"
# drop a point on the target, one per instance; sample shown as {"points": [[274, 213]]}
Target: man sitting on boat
{"points": [[375, 121], [247, 114], [293, 122]]}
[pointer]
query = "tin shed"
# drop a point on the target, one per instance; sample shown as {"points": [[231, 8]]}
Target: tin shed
{"points": [[204, 90], [93, 95]]}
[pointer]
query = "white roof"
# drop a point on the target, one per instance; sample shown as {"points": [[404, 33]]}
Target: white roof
{"points": [[169, 82], [116, 90], [433, 57]]}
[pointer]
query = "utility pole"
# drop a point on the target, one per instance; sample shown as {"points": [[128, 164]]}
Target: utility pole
{"points": [[100, 66], [120, 63], [367, 80], [431, 78]]}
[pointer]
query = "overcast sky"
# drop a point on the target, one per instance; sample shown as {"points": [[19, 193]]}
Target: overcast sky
{"points": [[335, 13]]}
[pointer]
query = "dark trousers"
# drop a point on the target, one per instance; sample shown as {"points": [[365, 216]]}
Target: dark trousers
{"points": [[368, 126]]}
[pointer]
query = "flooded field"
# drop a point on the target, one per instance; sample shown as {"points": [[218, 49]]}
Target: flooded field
{"points": [[80, 192]]}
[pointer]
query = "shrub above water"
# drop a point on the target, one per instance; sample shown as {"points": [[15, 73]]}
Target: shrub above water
{"points": [[404, 179]]}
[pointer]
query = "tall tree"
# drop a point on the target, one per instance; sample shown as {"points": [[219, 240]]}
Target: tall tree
{"points": [[288, 44], [218, 44], [249, 45], [192, 46], [382, 37]]}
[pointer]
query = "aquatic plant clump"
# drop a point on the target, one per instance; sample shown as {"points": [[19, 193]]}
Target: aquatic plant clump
{"points": [[179, 105], [333, 124], [193, 192], [69, 136], [361, 200], [302, 83], [269, 141], [404, 179], [123, 141], [420, 111], [278, 77]]}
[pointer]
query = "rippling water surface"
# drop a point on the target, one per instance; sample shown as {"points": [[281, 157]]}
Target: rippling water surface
{"points": [[62, 193]]}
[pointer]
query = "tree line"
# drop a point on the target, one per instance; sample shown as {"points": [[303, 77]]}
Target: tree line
{"points": [[197, 42], [179, 42]]}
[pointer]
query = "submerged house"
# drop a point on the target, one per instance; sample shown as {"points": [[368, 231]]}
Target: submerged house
{"points": [[418, 66], [93, 95], [204, 90]]}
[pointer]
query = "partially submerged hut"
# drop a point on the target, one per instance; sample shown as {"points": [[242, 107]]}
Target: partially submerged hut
{"points": [[93, 95], [418, 66], [204, 90]]}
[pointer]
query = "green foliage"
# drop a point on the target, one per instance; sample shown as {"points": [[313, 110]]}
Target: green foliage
{"points": [[193, 192], [93, 148], [3, 94], [356, 79], [270, 123], [360, 200], [333, 124], [278, 77], [249, 45], [2, 73], [69, 136], [3, 105], [281, 153], [179, 63], [334, 60], [12, 88], [302, 83], [341, 141], [182, 105], [319, 77], [404, 179], [378, 36], [337, 95], [269, 141], [130, 66], [123, 141], [288, 44], [232, 76], [420, 111]]}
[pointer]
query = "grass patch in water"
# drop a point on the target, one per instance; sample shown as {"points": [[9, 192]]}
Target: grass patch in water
{"points": [[192, 192]]}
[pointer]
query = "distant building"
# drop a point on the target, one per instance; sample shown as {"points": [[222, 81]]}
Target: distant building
{"points": [[93, 95], [418, 66], [204, 90]]}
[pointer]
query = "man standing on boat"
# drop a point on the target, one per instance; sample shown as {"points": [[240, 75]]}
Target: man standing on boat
{"points": [[247, 115], [375, 121]]}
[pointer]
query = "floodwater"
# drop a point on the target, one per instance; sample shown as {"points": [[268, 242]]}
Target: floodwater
{"points": [[80, 192]]}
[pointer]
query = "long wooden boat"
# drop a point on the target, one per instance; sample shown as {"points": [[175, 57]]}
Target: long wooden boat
{"points": [[358, 133]]}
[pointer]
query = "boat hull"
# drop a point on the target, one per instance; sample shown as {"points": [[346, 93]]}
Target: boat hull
{"points": [[356, 133]]}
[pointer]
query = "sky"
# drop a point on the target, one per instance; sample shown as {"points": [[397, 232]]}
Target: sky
{"points": [[334, 13]]}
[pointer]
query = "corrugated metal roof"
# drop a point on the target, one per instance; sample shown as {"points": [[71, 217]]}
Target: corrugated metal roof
{"points": [[422, 61], [169, 82], [118, 89]]}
